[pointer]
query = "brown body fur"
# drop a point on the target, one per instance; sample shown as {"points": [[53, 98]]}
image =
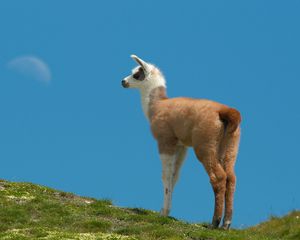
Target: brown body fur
{"points": [[212, 129]]}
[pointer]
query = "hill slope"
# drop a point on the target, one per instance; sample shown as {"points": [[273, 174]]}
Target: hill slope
{"points": [[29, 211]]}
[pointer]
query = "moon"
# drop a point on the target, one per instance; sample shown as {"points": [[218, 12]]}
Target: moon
{"points": [[32, 67]]}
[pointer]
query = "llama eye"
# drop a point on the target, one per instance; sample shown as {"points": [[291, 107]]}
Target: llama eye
{"points": [[139, 75], [136, 75]]}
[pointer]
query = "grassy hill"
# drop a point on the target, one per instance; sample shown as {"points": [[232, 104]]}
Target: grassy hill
{"points": [[29, 211]]}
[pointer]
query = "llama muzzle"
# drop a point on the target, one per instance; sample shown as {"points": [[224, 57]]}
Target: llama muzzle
{"points": [[125, 84]]}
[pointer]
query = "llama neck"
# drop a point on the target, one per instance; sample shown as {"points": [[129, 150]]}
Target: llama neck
{"points": [[150, 97]]}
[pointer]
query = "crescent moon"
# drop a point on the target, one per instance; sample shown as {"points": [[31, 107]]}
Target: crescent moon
{"points": [[32, 67]]}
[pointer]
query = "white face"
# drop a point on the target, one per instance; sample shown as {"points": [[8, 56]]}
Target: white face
{"points": [[136, 79], [144, 76]]}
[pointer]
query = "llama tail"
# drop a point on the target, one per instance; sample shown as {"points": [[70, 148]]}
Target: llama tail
{"points": [[231, 119]]}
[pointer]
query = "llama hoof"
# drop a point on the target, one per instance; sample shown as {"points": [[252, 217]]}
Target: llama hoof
{"points": [[164, 212], [226, 225], [215, 223]]}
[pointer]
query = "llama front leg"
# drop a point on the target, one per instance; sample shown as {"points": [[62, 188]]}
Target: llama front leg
{"points": [[171, 167], [168, 168], [181, 152]]}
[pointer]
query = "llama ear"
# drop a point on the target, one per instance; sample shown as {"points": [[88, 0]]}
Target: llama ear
{"points": [[142, 63]]}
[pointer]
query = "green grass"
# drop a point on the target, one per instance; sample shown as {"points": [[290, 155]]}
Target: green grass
{"points": [[29, 211]]}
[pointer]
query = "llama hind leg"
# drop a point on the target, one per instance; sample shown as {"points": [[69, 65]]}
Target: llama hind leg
{"points": [[229, 195], [229, 162], [218, 182], [217, 177]]}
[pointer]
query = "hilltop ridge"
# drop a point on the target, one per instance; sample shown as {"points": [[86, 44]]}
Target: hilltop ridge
{"points": [[30, 211]]}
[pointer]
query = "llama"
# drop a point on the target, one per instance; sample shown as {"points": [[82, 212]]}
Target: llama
{"points": [[210, 128]]}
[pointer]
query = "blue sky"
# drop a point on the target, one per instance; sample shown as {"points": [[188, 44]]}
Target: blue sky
{"points": [[82, 132]]}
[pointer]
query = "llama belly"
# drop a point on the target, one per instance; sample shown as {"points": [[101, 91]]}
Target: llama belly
{"points": [[184, 143], [184, 140]]}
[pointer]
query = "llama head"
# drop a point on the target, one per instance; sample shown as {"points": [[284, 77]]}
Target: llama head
{"points": [[144, 77]]}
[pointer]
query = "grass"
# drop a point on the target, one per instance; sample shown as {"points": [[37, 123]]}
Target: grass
{"points": [[29, 211]]}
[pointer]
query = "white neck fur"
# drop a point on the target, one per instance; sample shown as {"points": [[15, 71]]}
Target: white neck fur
{"points": [[158, 81]]}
